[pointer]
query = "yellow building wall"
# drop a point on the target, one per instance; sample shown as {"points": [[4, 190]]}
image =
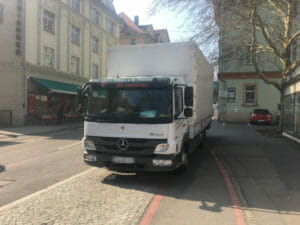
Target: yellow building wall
{"points": [[60, 40]]}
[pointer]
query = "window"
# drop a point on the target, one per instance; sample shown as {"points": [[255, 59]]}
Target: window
{"points": [[75, 65], [178, 101], [110, 27], [48, 57], [76, 5], [231, 95], [132, 41], [48, 21], [95, 71], [75, 35], [294, 50], [95, 44], [289, 114], [250, 94], [95, 16], [1, 13]]}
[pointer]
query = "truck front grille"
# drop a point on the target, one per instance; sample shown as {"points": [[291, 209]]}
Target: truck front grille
{"points": [[137, 146]]}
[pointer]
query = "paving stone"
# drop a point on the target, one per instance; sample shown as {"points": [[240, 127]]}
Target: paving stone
{"points": [[82, 200]]}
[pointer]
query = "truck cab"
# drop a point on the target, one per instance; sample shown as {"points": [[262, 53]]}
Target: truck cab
{"points": [[137, 123]]}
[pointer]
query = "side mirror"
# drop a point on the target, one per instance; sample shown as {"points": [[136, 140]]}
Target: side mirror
{"points": [[189, 96], [188, 112]]}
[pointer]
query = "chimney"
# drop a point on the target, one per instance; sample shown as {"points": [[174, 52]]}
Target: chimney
{"points": [[136, 20]]}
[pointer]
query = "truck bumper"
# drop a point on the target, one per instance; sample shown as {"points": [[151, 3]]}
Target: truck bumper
{"points": [[134, 163]]}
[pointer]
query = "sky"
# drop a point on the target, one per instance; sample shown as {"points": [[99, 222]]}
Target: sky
{"points": [[163, 19]]}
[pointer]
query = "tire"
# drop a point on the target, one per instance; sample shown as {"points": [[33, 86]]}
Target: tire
{"points": [[204, 135], [202, 138]]}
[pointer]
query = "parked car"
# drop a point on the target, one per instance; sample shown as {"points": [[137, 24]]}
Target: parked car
{"points": [[261, 116]]}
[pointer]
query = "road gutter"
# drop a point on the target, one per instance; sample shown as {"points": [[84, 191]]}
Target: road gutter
{"points": [[242, 214]]}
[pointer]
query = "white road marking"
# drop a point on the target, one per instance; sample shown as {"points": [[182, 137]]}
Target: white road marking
{"points": [[249, 125], [69, 146]]}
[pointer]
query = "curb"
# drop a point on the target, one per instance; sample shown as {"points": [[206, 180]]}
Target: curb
{"points": [[250, 219]]}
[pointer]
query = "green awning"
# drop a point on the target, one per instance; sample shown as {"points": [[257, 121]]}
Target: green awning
{"points": [[58, 87]]}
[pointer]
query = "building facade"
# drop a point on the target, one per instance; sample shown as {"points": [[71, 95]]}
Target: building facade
{"points": [[132, 33], [291, 119], [241, 90], [49, 48]]}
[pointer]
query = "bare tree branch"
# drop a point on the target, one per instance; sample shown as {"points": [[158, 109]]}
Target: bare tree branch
{"points": [[253, 52]]}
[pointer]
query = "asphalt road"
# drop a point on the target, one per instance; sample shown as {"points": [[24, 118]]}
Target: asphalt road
{"points": [[263, 171], [34, 162]]}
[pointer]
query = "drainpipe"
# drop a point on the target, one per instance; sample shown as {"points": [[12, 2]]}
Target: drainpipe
{"points": [[225, 103]]}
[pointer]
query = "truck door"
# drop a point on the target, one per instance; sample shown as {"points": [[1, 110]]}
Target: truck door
{"points": [[179, 119]]}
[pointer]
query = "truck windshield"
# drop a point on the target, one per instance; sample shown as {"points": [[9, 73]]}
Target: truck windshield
{"points": [[134, 105]]}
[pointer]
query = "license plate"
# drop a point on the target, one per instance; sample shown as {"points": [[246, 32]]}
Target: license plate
{"points": [[260, 120], [125, 160]]}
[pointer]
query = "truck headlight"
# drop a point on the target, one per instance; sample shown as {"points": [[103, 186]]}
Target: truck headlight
{"points": [[161, 148], [88, 144]]}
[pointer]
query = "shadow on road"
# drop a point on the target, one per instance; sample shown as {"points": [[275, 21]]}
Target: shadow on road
{"points": [[2, 168], [202, 182], [7, 143], [8, 135], [67, 130], [266, 169]]}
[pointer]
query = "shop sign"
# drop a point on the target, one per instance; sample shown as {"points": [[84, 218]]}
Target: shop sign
{"points": [[44, 98], [31, 103], [19, 26]]}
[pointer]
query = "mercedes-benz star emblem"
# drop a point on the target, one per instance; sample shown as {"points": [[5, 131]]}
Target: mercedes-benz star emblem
{"points": [[123, 144]]}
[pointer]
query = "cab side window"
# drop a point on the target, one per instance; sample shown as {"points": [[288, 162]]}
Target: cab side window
{"points": [[178, 100]]}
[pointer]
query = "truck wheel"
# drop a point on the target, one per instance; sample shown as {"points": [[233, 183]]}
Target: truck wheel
{"points": [[204, 135], [202, 138], [185, 161]]}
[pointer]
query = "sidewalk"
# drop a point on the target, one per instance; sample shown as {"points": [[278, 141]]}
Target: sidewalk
{"points": [[266, 169], [14, 132]]}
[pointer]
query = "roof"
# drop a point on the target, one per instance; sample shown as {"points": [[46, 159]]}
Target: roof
{"points": [[161, 31], [110, 9], [130, 27], [145, 27]]}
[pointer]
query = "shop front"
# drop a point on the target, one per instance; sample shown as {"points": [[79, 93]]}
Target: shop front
{"points": [[51, 100], [291, 119]]}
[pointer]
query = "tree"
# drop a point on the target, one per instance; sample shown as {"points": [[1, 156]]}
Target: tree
{"points": [[278, 35], [199, 19], [267, 28]]}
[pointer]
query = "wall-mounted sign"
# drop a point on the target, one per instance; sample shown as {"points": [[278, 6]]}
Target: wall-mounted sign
{"points": [[19, 27]]}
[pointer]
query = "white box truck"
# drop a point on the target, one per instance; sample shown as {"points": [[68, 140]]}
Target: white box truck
{"points": [[155, 101]]}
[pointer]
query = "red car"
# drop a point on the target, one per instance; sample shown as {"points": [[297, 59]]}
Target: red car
{"points": [[261, 116]]}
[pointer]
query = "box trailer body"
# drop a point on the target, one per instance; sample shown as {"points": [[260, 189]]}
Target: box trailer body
{"points": [[177, 60], [160, 70]]}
